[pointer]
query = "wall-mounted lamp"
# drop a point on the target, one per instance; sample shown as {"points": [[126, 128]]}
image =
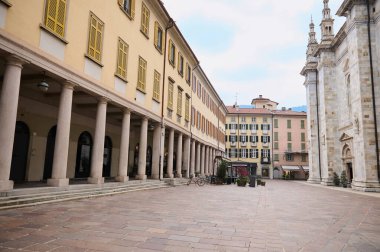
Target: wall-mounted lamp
{"points": [[43, 85]]}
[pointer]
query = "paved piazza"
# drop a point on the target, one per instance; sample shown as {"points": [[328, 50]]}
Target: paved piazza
{"points": [[283, 216]]}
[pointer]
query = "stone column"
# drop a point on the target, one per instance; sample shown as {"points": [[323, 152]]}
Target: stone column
{"points": [[186, 157], [213, 162], [207, 159], [198, 164], [8, 114], [156, 151], [62, 139], [122, 175], [170, 153], [96, 176], [179, 156], [193, 154], [203, 160], [141, 172], [162, 153]]}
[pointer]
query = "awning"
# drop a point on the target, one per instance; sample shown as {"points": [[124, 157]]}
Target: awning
{"points": [[290, 168], [306, 168]]}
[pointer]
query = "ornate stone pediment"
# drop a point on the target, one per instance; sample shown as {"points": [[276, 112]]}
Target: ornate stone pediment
{"points": [[345, 137]]}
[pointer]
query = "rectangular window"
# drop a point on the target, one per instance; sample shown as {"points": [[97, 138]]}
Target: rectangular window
{"points": [[128, 6], [302, 137], [95, 38], [302, 124], [179, 102], [141, 84], [265, 139], [187, 107], [145, 14], [188, 73], [275, 145], [253, 119], [289, 146], [199, 120], [289, 136], [180, 64], [199, 89], [55, 16], [303, 147], [156, 86], [289, 124], [275, 136], [275, 121], [122, 59], [194, 84], [265, 119], [170, 95], [289, 157], [243, 118], [265, 153], [233, 119], [275, 157], [243, 153], [171, 53], [158, 35], [304, 158]]}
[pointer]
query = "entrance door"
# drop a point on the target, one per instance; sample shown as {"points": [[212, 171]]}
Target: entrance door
{"points": [[49, 153], [149, 161], [136, 160], [20, 152], [107, 157], [83, 164], [349, 172]]}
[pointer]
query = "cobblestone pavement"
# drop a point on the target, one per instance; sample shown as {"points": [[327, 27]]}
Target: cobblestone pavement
{"points": [[283, 216]]}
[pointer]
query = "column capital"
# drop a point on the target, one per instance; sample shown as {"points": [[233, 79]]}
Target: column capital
{"points": [[103, 99], [126, 111], [69, 85], [16, 61]]}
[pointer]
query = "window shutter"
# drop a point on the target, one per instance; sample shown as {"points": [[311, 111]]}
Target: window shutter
{"points": [[268, 126], [262, 139], [268, 139], [133, 8], [261, 127], [120, 2], [251, 138], [156, 33], [250, 127]]}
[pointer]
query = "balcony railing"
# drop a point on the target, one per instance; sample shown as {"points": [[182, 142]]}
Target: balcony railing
{"points": [[254, 132], [243, 144], [233, 144], [243, 131], [266, 145], [253, 144], [265, 160], [233, 131], [265, 132]]}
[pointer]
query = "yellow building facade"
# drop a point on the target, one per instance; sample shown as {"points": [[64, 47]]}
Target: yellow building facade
{"points": [[98, 88]]}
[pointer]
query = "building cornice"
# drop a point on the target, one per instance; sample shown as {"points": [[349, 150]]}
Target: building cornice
{"points": [[347, 5]]}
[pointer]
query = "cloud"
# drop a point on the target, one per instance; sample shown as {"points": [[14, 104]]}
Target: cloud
{"points": [[264, 46]]}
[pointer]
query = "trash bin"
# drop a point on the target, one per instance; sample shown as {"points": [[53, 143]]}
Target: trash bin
{"points": [[252, 181]]}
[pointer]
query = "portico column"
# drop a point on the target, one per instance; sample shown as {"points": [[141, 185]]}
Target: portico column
{"points": [[141, 172], [96, 176], [192, 163], [211, 161], [8, 114], [62, 139], [156, 151], [207, 159], [186, 158], [203, 160], [179, 156], [162, 155], [122, 175], [170, 153], [198, 164]]}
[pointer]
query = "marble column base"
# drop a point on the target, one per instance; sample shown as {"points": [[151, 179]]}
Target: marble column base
{"points": [[169, 176], [122, 178], [178, 175], [155, 176], [58, 182], [96, 181], [314, 181], [6, 185], [140, 177]]}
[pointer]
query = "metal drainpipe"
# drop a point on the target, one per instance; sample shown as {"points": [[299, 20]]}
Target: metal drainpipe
{"points": [[373, 89], [319, 140], [169, 25], [238, 137]]}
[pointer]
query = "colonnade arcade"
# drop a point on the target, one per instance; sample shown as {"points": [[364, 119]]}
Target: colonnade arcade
{"points": [[71, 132]]}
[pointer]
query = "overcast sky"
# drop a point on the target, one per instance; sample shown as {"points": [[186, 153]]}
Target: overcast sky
{"points": [[251, 47]]}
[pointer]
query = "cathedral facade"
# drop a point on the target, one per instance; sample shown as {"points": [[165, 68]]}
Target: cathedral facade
{"points": [[342, 80]]}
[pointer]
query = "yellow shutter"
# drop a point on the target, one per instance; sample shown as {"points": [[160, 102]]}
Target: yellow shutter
{"points": [[122, 59], [142, 75], [170, 95], [55, 16], [156, 86], [179, 102], [133, 8], [95, 38], [156, 34]]}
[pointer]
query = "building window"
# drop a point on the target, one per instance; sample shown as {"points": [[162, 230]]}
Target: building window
{"points": [[243, 153], [254, 139], [289, 146], [194, 84], [141, 84], [187, 107], [55, 16], [156, 86], [243, 118], [145, 14], [302, 124], [304, 158], [303, 147], [199, 89], [289, 157], [233, 119], [276, 157], [180, 64], [275, 136], [188, 73], [265, 119], [289, 124], [275, 145], [171, 53], [265, 153], [179, 102], [170, 95], [128, 7], [243, 126], [289, 136], [265, 126], [302, 137], [95, 38], [253, 153], [199, 120], [122, 59], [275, 121], [158, 35], [253, 119], [265, 139]]}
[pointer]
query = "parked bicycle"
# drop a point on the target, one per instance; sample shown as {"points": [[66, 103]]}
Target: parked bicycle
{"points": [[196, 180]]}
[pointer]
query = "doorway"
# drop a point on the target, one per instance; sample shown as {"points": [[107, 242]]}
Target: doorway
{"points": [[20, 152], [349, 173], [107, 157], [49, 153], [149, 161], [83, 163]]}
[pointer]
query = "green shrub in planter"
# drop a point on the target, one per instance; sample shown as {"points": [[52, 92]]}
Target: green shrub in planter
{"points": [[343, 178], [242, 181], [336, 179]]}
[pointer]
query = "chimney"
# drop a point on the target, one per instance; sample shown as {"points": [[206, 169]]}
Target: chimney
{"points": [[283, 108], [260, 96]]}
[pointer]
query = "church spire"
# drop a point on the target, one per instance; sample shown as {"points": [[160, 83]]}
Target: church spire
{"points": [[327, 25], [312, 39], [312, 44]]}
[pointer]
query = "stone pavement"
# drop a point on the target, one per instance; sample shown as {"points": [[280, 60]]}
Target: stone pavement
{"points": [[283, 216]]}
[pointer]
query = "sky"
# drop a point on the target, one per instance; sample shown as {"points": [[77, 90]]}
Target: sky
{"points": [[249, 48]]}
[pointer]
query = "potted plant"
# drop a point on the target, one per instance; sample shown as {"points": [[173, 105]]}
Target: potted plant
{"points": [[343, 179], [243, 178], [221, 172], [336, 179]]}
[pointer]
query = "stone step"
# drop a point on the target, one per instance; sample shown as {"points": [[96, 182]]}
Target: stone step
{"points": [[44, 198]]}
